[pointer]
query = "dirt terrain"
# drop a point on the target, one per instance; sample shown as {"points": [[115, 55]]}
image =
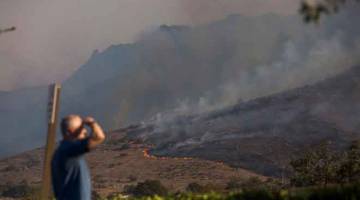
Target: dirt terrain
{"points": [[120, 162]]}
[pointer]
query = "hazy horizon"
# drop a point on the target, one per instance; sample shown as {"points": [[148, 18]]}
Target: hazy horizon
{"points": [[55, 38]]}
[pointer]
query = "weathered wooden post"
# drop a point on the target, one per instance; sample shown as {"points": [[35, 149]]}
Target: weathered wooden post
{"points": [[53, 108]]}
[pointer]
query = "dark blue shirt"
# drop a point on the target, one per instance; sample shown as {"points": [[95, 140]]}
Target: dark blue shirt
{"points": [[70, 174]]}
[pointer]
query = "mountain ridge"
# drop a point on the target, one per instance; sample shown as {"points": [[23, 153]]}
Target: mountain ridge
{"points": [[263, 134], [210, 65]]}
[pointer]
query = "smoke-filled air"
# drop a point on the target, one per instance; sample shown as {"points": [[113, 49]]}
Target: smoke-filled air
{"points": [[192, 96]]}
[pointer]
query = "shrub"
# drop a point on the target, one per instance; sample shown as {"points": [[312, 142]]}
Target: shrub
{"points": [[124, 147], [195, 188], [349, 170], [317, 167], [114, 196], [252, 195], [23, 191], [339, 192], [129, 189], [95, 195], [252, 183], [233, 184], [147, 188], [323, 166], [17, 191], [132, 178]]}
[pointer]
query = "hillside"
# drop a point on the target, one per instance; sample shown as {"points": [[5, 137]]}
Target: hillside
{"points": [[265, 133], [260, 135], [118, 163], [193, 69], [128, 83]]}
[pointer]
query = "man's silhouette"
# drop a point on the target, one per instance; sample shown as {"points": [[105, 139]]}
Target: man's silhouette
{"points": [[70, 174]]}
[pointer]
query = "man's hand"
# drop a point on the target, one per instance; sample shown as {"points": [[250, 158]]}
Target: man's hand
{"points": [[89, 120], [98, 136]]}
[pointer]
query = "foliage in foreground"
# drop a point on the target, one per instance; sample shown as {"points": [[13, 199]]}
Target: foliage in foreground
{"points": [[21, 191], [348, 192], [322, 166], [147, 188]]}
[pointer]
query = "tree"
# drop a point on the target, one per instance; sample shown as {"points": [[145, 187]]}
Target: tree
{"points": [[322, 166], [316, 167], [349, 170], [312, 10], [7, 30]]}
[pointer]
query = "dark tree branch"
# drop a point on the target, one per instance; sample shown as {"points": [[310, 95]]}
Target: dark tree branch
{"points": [[312, 10], [7, 30]]}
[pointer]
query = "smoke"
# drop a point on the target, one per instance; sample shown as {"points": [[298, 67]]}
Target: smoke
{"points": [[180, 70], [50, 45], [311, 55], [174, 71], [205, 11], [326, 58]]}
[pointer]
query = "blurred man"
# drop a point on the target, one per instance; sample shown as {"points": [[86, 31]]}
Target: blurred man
{"points": [[70, 174]]}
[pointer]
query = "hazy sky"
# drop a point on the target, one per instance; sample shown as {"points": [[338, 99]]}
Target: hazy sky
{"points": [[53, 38]]}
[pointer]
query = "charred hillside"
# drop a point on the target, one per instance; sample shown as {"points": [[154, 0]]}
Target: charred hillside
{"points": [[265, 133]]}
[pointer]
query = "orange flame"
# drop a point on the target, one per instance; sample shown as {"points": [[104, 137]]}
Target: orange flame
{"points": [[146, 153], [149, 156]]}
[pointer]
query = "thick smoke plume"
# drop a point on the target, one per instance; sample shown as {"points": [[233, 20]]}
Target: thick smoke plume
{"points": [[180, 70], [303, 57], [49, 45]]}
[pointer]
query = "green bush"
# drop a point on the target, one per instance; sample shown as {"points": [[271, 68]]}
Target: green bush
{"points": [[23, 191], [233, 184], [252, 183], [323, 166], [95, 195], [334, 192], [197, 188], [147, 188], [252, 195]]}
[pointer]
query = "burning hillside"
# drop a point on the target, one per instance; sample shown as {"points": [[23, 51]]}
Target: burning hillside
{"points": [[146, 153], [262, 134]]}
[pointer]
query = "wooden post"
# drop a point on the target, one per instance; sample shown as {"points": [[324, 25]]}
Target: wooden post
{"points": [[53, 107]]}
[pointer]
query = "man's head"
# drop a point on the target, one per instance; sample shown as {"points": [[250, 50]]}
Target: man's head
{"points": [[72, 128]]}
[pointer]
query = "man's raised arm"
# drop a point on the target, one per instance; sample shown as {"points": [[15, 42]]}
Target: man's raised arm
{"points": [[97, 136]]}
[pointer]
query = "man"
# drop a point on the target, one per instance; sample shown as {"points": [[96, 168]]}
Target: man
{"points": [[70, 174]]}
